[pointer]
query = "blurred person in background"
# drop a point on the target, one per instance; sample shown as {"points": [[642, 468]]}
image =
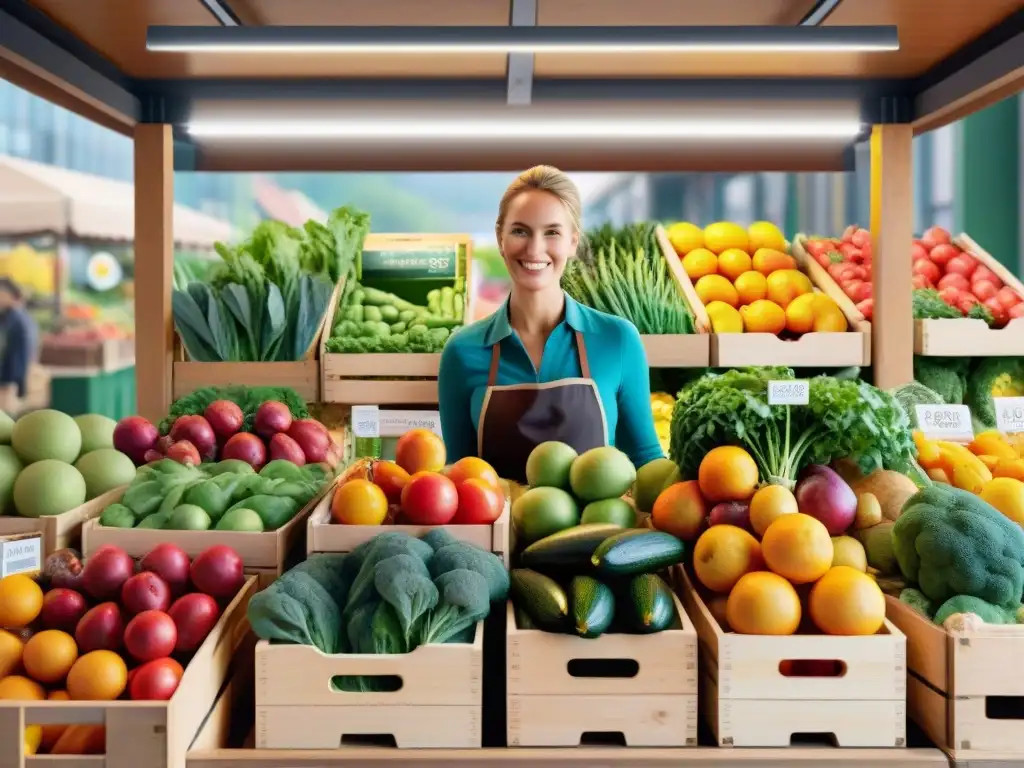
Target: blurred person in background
{"points": [[19, 338]]}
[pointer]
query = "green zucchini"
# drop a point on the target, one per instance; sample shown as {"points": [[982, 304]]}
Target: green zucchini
{"points": [[569, 549], [523, 620], [593, 606], [649, 605], [540, 597], [637, 551]]}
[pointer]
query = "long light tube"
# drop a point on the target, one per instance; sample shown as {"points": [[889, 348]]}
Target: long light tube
{"points": [[475, 40]]}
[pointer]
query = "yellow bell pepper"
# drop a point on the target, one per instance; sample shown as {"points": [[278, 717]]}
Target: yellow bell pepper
{"points": [[966, 477], [990, 461], [927, 451], [992, 443], [953, 454], [1009, 468]]}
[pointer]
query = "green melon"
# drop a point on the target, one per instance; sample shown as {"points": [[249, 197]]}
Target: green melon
{"points": [[6, 428], [540, 512], [548, 465], [601, 473], [10, 467], [48, 487], [650, 480], [105, 469], [97, 431], [47, 434]]}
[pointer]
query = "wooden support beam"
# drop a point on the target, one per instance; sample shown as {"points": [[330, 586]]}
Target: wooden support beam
{"points": [[154, 264], [892, 225]]}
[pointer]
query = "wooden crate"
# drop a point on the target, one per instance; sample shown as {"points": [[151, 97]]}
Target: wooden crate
{"points": [[322, 535], [439, 704], [549, 706], [263, 554], [748, 702], [967, 337], [61, 531], [829, 350], [953, 676], [139, 734]]}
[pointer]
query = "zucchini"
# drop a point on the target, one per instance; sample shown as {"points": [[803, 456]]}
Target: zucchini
{"points": [[523, 620], [649, 606], [593, 606], [637, 551], [569, 549], [541, 598]]}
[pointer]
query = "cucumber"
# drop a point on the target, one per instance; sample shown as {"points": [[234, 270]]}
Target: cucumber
{"points": [[649, 606], [593, 606], [540, 597], [523, 620], [637, 551], [569, 549]]}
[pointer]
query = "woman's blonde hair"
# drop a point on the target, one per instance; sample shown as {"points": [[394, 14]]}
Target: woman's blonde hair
{"points": [[545, 178]]}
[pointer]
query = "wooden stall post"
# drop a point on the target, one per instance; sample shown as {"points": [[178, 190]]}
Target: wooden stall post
{"points": [[892, 231], [154, 268]]}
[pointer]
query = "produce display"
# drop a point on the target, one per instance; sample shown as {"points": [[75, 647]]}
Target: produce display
{"points": [[228, 495], [107, 629], [974, 382], [418, 488], [661, 408], [391, 594], [626, 275], [268, 297], [51, 463], [749, 282]]}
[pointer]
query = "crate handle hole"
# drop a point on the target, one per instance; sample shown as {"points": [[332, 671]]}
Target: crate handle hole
{"points": [[366, 683], [603, 668], [603, 739], [368, 740], [812, 668], [1004, 707], [824, 738]]}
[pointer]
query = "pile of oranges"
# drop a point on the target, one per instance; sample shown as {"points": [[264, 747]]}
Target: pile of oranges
{"points": [[749, 283]]}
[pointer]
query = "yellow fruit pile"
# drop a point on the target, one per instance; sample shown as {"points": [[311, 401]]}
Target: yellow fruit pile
{"points": [[661, 407], [748, 282]]}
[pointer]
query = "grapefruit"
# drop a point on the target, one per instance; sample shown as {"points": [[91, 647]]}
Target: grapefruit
{"points": [[723, 554], [727, 473], [763, 603], [846, 601]]}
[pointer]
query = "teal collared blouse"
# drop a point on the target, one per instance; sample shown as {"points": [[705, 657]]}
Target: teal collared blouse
{"points": [[618, 365]]}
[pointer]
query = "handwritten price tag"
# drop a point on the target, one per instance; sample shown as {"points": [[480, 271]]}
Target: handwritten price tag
{"points": [[365, 421], [397, 423], [788, 393], [945, 422], [1009, 414]]}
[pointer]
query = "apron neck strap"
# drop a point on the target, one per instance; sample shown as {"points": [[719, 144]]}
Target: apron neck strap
{"points": [[581, 349]]}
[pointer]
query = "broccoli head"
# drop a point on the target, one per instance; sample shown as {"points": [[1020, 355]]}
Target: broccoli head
{"points": [[950, 542], [946, 376], [988, 613], [993, 377], [462, 555]]}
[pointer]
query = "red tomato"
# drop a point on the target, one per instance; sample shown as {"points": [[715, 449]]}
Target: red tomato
{"points": [[150, 635], [817, 247], [955, 280], [469, 467], [920, 281], [962, 265], [983, 289], [966, 302], [999, 313], [867, 308], [935, 236], [918, 251], [823, 259], [942, 254], [927, 268], [1008, 297], [861, 238], [851, 252], [429, 499], [480, 503], [1016, 311], [984, 273], [155, 680], [951, 295], [849, 232], [194, 616], [857, 290]]}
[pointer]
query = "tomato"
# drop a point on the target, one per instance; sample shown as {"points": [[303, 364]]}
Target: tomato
{"points": [[150, 635], [966, 302], [982, 272], [999, 313], [429, 499], [861, 238], [470, 467], [480, 503], [943, 254], [918, 251], [962, 265], [194, 616], [951, 295], [920, 281], [1008, 297], [817, 247], [927, 268], [849, 232], [390, 478], [851, 252], [156, 680], [935, 236], [867, 308], [1016, 311], [983, 289], [954, 280]]}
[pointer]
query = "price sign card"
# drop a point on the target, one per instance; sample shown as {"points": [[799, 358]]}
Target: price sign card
{"points": [[365, 421], [788, 393], [1009, 414], [945, 422], [397, 423], [410, 265]]}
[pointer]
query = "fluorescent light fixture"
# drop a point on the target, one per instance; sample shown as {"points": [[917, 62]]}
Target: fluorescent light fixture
{"points": [[519, 130], [574, 40]]}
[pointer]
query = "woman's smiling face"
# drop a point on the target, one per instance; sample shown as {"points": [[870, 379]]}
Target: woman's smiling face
{"points": [[537, 239]]}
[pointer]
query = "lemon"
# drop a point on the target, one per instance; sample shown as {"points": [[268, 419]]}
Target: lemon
{"points": [[685, 237], [716, 288], [847, 551], [763, 316], [764, 234], [751, 286], [700, 262], [733, 262], [724, 318], [723, 235]]}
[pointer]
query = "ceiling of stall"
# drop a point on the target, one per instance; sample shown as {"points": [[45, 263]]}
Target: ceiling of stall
{"points": [[929, 30]]}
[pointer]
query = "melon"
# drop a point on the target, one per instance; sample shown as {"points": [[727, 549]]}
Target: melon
{"points": [[46, 434], [6, 428], [548, 465], [10, 467], [103, 470], [97, 431], [48, 487], [601, 473]]}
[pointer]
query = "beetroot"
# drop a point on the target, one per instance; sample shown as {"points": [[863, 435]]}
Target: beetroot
{"points": [[283, 447], [312, 437], [194, 615], [246, 447], [150, 635], [145, 592], [171, 564], [218, 572], [196, 430], [133, 436], [184, 452], [106, 571], [225, 418], [63, 609], [271, 417], [823, 494], [101, 629]]}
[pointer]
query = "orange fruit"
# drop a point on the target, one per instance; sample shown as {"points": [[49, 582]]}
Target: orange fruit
{"points": [[800, 313], [764, 234], [846, 601], [723, 235], [716, 288], [359, 502], [699, 262], [680, 510], [733, 262], [769, 503], [798, 547], [471, 467], [768, 260], [390, 478], [784, 285], [97, 676], [727, 473], [685, 236], [49, 656], [11, 649], [19, 688], [21, 600], [50, 733], [420, 450], [763, 316], [763, 603], [751, 286], [723, 554]]}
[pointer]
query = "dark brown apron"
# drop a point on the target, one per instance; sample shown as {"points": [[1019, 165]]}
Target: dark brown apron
{"points": [[516, 418]]}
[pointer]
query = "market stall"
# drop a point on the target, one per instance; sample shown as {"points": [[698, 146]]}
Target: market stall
{"points": [[191, 107]]}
